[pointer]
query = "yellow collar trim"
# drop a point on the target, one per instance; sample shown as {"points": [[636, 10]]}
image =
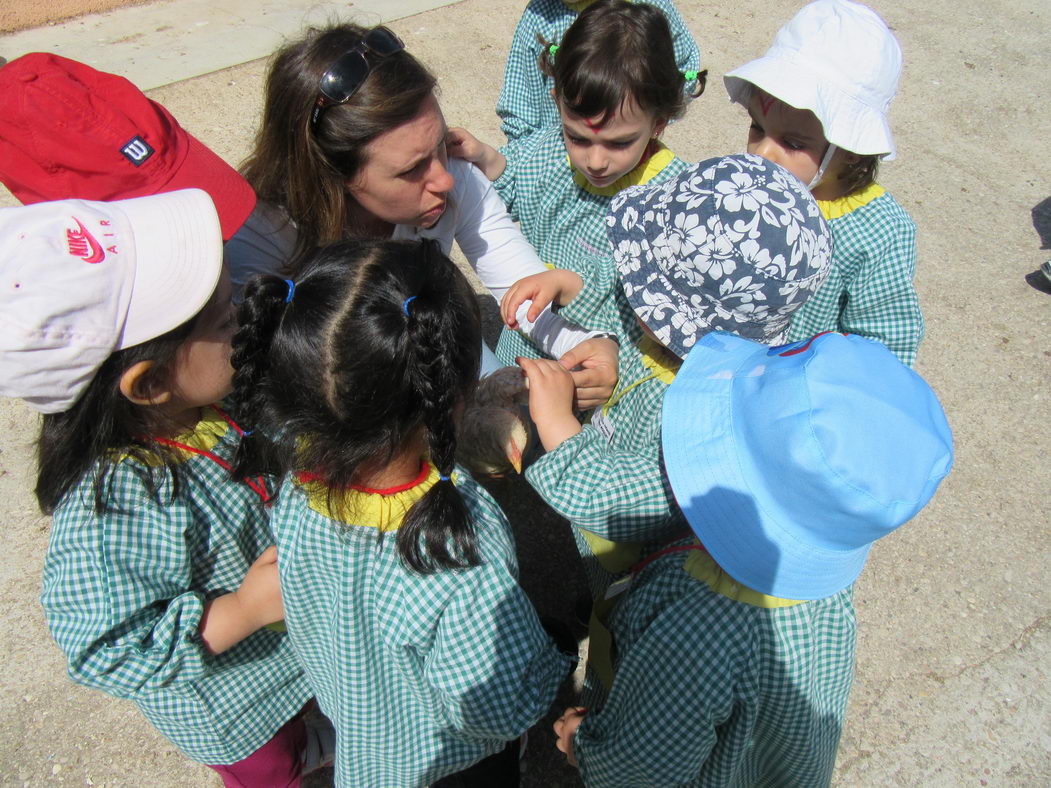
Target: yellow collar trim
{"points": [[378, 510], [659, 360], [841, 206], [701, 566], [204, 436], [643, 173]]}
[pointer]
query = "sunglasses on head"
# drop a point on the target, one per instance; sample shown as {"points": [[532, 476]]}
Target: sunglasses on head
{"points": [[347, 74]]}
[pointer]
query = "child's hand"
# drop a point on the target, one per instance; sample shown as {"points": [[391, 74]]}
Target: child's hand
{"points": [[554, 285], [565, 727], [230, 618], [550, 401], [597, 374], [462, 144], [260, 592]]}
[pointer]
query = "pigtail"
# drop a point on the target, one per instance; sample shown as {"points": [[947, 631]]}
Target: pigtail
{"points": [[266, 299], [438, 531]]}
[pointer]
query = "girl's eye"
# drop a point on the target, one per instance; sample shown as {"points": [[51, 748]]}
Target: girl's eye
{"points": [[576, 140], [622, 145], [793, 145]]}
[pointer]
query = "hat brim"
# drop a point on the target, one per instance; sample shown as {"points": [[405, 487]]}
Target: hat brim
{"points": [[728, 504], [178, 261], [848, 123], [202, 168]]}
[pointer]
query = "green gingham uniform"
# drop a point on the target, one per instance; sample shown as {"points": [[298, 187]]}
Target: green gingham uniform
{"points": [[421, 675], [525, 104], [124, 592], [710, 691], [611, 488], [869, 290], [563, 221]]}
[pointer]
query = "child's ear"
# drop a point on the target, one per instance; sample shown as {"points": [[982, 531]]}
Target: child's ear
{"points": [[659, 127], [136, 385], [850, 158]]}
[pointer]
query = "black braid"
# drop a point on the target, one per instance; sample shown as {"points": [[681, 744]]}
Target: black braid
{"points": [[258, 317], [443, 345]]}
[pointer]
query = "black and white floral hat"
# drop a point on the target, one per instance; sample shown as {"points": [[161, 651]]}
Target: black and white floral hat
{"points": [[732, 244]]}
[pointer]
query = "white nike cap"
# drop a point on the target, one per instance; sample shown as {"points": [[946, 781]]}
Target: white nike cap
{"points": [[81, 279]]}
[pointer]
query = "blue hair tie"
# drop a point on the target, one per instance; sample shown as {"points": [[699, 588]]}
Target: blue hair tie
{"points": [[405, 304], [291, 290], [442, 478], [246, 433]]}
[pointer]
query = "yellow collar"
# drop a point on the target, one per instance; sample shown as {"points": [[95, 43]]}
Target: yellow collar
{"points": [[841, 206], [204, 436], [379, 509], [643, 173], [659, 360], [701, 566]]}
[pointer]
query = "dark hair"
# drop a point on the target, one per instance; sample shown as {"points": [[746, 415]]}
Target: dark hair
{"points": [[104, 424], [860, 174], [303, 168], [358, 375], [615, 52]]}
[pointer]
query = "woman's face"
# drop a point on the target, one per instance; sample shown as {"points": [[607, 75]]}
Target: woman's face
{"points": [[404, 179]]}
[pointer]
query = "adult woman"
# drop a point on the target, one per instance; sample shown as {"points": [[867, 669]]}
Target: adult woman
{"points": [[352, 144]]}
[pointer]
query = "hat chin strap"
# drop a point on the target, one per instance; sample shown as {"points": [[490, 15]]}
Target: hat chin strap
{"points": [[829, 153]]}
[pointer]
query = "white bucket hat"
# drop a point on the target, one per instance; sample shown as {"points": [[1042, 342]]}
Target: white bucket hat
{"points": [[839, 60], [81, 279]]}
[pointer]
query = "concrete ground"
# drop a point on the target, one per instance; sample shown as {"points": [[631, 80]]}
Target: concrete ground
{"points": [[953, 665]]}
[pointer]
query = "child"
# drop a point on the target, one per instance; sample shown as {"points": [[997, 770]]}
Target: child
{"points": [[525, 102], [818, 101], [735, 244], [788, 464], [616, 86], [159, 578], [397, 570]]}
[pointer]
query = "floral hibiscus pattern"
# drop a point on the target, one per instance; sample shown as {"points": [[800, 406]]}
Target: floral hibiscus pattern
{"points": [[733, 244]]}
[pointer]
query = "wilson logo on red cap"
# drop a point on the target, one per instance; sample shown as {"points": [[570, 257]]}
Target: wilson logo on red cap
{"points": [[137, 150], [82, 244]]}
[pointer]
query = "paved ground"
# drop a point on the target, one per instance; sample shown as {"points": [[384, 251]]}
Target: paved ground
{"points": [[953, 662]]}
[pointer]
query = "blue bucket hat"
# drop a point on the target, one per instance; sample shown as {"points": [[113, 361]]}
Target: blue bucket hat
{"points": [[733, 244], [789, 462]]}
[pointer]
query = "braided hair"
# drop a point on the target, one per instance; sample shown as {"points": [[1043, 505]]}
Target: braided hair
{"points": [[377, 345]]}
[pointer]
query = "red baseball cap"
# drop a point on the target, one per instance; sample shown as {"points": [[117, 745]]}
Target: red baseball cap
{"points": [[69, 131]]}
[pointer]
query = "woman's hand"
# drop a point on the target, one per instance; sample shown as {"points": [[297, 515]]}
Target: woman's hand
{"points": [[556, 285], [462, 144], [593, 364], [550, 400], [565, 728]]}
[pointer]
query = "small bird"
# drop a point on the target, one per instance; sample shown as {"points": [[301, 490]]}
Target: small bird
{"points": [[495, 428]]}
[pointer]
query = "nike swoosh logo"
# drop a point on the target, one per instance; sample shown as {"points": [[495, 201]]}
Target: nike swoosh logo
{"points": [[82, 244]]}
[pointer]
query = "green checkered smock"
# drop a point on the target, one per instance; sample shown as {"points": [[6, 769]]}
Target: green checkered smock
{"points": [[560, 213], [713, 691], [610, 486], [869, 290], [525, 103], [124, 591], [422, 675]]}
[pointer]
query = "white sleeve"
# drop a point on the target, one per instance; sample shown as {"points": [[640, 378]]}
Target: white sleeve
{"points": [[501, 255]]}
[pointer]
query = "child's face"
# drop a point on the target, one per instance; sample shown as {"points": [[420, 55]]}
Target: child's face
{"points": [[202, 373], [790, 137], [605, 153]]}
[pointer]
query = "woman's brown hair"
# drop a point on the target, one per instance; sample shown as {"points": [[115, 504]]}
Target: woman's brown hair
{"points": [[303, 167]]}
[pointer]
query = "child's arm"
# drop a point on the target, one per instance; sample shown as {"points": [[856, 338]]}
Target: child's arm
{"points": [[555, 286], [230, 618], [117, 590], [881, 299], [550, 401], [464, 145], [525, 103], [619, 495]]}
